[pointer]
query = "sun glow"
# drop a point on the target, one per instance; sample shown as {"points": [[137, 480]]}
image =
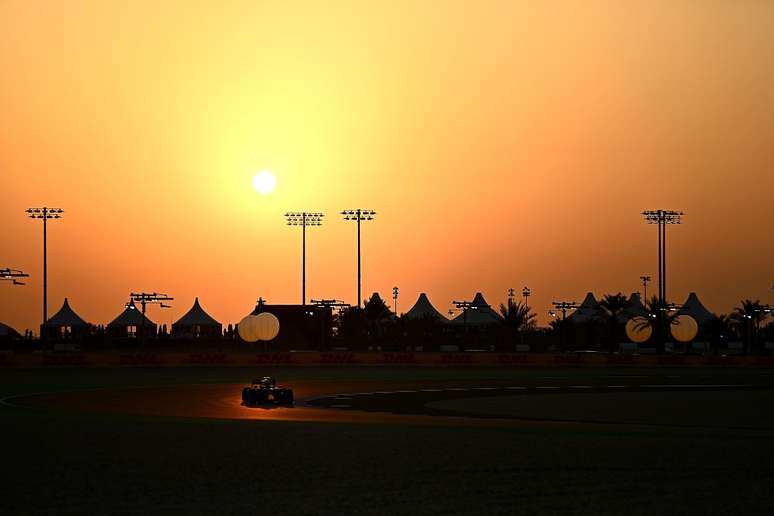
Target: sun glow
{"points": [[264, 182]]}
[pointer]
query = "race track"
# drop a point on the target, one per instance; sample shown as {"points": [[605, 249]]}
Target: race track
{"points": [[684, 400]]}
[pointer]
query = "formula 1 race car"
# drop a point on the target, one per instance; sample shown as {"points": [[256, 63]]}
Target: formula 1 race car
{"points": [[266, 392]]}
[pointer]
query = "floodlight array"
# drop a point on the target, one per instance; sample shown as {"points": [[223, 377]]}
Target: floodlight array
{"points": [[358, 214], [304, 218], [662, 216], [44, 213]]}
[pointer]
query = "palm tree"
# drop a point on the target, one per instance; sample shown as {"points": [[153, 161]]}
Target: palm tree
{"points": [[614, 304], [717, 329], [518, 316], [661, 317], [746, 319]]}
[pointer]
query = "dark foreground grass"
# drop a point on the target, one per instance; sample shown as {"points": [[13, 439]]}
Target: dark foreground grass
{"points": [[57, 463]]}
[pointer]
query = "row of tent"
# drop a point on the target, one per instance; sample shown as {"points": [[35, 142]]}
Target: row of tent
{"points": [[198, 323], [480, 313], [195, 323]]}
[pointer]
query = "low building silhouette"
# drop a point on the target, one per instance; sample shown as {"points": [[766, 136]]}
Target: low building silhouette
{"points": [[301, 326]]}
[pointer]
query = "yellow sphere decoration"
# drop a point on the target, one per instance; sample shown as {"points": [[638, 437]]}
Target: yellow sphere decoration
{"points": [[684, 328], [248, 328], [639, 329], [268, 326]]}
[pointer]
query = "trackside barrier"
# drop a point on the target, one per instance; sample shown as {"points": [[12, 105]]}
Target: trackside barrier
{"points": [[345, 358]]}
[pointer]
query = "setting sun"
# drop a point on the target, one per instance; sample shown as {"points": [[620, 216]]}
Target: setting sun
{"points": [[264, 182]]}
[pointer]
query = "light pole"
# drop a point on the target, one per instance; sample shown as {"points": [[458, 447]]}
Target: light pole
{"points": [[526, 292], [358, 215], [465, 306], [304, 219], [662, 218], [395, 299], [45, 214], [563, 306], [146, 298], [645, 280], [11, 275]]}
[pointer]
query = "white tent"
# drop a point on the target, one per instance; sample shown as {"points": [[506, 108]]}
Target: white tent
{"points": [[478, 314], [65, 323], [132, 318], [423, 309], [589, 310], [66, 316], [196, 323], [696, 309]]}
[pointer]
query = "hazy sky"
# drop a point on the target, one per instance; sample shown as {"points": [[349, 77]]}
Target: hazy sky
{"points": [[502, 144]]}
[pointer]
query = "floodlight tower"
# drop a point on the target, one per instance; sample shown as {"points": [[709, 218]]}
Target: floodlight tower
{"points": [[303, 219], [45, 214], [395, 299], [358, 215], [662, 218], [11, 275], [645, 281], [526, 292]]}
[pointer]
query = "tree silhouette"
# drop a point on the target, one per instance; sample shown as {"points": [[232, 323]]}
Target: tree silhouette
{"points": [[746, 319], [518, 316], [716, 330], [614, 304]]}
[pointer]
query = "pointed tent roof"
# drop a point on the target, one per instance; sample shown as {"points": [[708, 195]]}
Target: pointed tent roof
{"points": [[589, 310], [7, 331], [66, 316], [424, 308], [479, 314], [131, 316], [196, 316], [634, 308], [696, 309]]}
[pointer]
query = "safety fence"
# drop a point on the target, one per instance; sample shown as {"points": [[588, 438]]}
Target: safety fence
{"points": [[451, 359]]}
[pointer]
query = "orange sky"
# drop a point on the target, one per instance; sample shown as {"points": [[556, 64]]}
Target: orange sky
{"points": [[503, 144]]}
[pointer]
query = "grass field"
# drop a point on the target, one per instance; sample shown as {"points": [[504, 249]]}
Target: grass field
{"points": [[57, 462]]}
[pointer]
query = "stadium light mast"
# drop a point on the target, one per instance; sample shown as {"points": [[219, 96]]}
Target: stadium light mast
{"points": [[395, 299], [358, 216], [45, 214], [526, 292], [303, 219], [662, 218], [8, 274], [645, 281]]}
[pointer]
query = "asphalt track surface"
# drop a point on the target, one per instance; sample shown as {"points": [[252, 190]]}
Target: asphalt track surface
{"points": [[680, 400], [372, 440]]}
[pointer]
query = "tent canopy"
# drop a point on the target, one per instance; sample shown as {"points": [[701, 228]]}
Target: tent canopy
{"points": [[633, 308], [479, 313], [423, 308], [131, 316], [589, 310], [196, 316], [696, 309], [66, 316]]}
